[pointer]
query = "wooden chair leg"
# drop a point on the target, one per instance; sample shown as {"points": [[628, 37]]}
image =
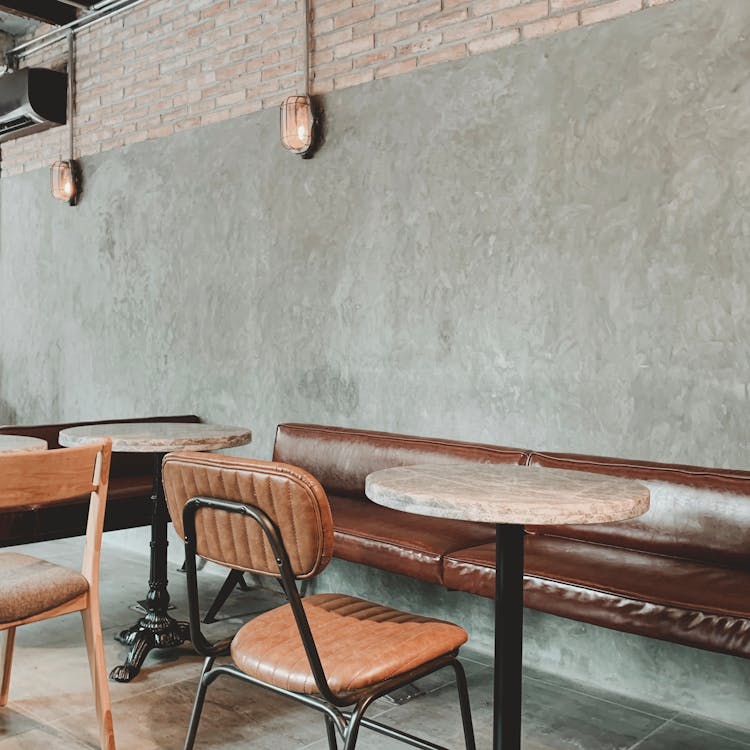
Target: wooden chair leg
{"points": [[6, 662], [92, 631]]}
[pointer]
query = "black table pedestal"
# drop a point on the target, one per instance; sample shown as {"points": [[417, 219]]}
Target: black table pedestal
{"points": [[508, 636], [156, 629]]}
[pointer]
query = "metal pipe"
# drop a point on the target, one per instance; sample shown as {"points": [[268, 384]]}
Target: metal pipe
{"points": [[99, 12], [95, 11], [71, 90], [306, 46]]}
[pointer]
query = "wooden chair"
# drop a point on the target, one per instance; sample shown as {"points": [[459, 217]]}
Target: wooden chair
{"points": [[332, 652], [32, 589]]}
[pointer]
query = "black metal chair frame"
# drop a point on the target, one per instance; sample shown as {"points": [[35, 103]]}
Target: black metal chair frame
{"points": [[234, 579], [346, 723]]}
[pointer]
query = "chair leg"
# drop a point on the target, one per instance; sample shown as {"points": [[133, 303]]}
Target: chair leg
{"points": [[352, 730], [234, 578], [92, 632], [463, 701], [200, 697], [331, 732], [6, 663]]}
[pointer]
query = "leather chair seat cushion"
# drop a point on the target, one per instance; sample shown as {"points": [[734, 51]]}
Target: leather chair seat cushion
{"points": [[361, 644], [30, 586], [397, 541], [631, 574]]}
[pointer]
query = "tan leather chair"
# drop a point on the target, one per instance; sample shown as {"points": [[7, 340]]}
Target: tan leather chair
{"points": [[332, 652], [32, 589]]}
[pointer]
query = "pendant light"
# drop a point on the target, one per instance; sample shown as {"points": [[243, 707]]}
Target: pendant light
{"points": [[297, 112], [65, 176]]}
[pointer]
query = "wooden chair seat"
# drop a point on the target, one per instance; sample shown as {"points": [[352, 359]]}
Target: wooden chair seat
{"points": [[360, 644], [32, 589], [31, 586]]}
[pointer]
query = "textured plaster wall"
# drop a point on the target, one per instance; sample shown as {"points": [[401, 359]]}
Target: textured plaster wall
{"points": [[545, 246]]}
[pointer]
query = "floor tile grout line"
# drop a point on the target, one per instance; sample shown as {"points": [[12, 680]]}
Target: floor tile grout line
{"points": [[650, 734], [610, 701], [44, 724], [743, 743], [665, 715]]}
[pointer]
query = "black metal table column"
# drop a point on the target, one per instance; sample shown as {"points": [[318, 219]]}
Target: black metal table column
{"points": [[156, 629], [508, 637]]}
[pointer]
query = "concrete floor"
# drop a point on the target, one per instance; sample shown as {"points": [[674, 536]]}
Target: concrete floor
{"points": [[51, 704]]}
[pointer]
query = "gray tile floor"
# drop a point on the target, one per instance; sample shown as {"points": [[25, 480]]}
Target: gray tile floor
{"points": [[51, 705]]}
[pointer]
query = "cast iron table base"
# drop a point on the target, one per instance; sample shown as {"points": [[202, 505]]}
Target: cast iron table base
{"points": [[156, 629]]}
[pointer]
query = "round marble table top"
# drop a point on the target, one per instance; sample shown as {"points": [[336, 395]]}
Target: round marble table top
{"points": [[506, 493], [158, 437], [21, 444]]}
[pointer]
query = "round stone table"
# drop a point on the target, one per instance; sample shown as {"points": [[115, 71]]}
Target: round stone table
{"points": [[508, 496], [156, 629], [21, 444]]}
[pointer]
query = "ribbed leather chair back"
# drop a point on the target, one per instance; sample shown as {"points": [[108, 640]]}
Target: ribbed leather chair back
{"points": [[290, 496]]}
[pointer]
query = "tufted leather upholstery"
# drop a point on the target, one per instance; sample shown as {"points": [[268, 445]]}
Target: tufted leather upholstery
{"points": [[361, 644], [697, 513], [384, 538], [341, 457], [328, 651], [31, 586], [636, 592], [368, 533], [290, 496], [679, 572]]}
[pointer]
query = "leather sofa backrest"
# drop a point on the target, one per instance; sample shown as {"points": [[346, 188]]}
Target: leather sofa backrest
{"points": [[696, 513], [340, 458]]}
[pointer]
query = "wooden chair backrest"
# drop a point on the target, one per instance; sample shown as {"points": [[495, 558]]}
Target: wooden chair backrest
{"points": [[38, 478]]}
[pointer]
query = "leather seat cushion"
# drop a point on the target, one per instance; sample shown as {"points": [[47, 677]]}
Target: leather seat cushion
{"points": [[128, 505], [397, 541], [31, 586], [120, 488], [361, 644], [629, 573], [673, 599]]}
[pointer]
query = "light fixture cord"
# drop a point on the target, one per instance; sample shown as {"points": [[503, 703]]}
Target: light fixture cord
{"points": [[71, 90], [306, 47]]}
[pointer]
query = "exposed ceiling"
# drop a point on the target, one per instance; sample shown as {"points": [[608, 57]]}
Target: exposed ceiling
{"points": [[16, 26], [21, 17]]}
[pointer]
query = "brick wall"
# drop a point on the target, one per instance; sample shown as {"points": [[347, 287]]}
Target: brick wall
{"points": [[170, 65]]}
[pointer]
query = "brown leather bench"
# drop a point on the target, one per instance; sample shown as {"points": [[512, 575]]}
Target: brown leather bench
{"points": [[679, 573], [128, 501], [368, 533]]}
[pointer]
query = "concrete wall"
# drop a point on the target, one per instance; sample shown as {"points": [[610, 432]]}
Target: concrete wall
{"points": [[545, 246]]}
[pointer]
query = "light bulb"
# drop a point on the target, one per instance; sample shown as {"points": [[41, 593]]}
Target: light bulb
{"points": [[68, 188], [302, 132]]}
